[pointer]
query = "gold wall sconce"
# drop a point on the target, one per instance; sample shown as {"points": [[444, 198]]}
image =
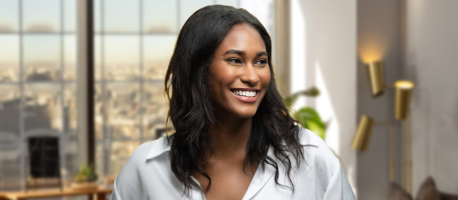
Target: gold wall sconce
{"points": [[363, 134], [403, 91], [403, 88]]}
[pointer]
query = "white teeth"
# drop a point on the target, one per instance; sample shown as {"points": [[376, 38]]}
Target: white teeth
{"points": [[245, 93]]}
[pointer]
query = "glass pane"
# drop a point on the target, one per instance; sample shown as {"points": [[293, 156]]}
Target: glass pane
{"points": [[70, 57], [9, 58], [9, 15], [187, 8], [99, 110], [160, 16], [71, 160], [99, 159], [70, 111], [97, 15], [98, 57], [154, 110], [69, 15], [41, 15], [121, 16], [122, 110], [234, 3], [10, 167], [41, 57], [121, 58], [120, 153], [157, 51], [42, 109], [9, 112]]}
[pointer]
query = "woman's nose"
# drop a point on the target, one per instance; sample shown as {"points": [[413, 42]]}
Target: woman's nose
{"points": [[250, 76]]}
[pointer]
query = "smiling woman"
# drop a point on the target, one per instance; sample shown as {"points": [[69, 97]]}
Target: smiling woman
{"points": [[234, 137]]}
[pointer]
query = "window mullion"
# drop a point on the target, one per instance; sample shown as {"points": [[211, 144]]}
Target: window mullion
{"points": [[22, 145], [105, 154], [142, 82], [62, 137]]}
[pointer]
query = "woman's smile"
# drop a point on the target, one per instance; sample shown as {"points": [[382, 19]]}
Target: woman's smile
{"points": [[246, 95]]}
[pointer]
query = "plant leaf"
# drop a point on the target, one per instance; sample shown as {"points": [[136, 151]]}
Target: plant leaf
{"points": [[312, 121]]}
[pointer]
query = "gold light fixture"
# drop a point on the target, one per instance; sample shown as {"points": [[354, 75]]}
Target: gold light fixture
{"points": [[403, 88], [377, 77], [363, 134], [403, 93]]}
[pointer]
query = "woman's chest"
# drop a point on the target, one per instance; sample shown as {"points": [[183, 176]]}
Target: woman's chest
{"points": [[160, 183], [228, 181]]}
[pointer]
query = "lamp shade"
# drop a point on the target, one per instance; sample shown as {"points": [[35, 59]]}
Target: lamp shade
{"points": [[377, 77], [403, 91], [363, 134]]}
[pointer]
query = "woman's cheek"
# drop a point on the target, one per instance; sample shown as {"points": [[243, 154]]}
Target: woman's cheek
{"points": [[265, 78]]}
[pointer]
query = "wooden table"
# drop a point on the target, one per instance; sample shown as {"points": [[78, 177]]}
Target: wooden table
{"points": [[22, 195]]}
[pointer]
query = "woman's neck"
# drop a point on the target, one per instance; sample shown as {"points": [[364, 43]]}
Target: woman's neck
{"points": [[230, 138]]}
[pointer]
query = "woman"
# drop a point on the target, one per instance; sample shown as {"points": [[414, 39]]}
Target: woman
{"points": [[234, 137]]}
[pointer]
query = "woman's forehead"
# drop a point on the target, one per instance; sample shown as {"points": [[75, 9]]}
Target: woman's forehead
{"points": [[243, 37]]}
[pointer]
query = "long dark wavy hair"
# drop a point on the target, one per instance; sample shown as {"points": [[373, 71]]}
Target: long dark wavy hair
{"points": [[191, 110]]}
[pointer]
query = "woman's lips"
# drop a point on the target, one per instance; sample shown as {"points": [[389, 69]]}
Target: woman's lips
{"points": [[245, 99]]}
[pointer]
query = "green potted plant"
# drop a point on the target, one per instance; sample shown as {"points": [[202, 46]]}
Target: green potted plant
{"points": [[85, 179], [308, 116]]}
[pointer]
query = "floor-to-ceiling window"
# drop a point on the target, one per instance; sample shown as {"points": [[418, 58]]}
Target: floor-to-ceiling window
{"points": [[37, 83]]}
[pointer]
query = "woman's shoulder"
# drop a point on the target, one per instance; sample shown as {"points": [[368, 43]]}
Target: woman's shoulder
{"points": [[149, 150], [327, 170], [141, 165], [317, 151], [144, 153]]}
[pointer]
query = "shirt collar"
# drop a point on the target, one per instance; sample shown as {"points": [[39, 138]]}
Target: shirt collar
{"points": [[158, 147], [261, 177], [161, 145], [308, 138]]}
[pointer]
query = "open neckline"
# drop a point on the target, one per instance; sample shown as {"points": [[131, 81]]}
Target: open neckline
{"points": [[252, 182]]}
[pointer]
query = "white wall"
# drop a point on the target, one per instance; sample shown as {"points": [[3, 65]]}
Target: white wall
{"points": [[328, 39], [431, 60]]}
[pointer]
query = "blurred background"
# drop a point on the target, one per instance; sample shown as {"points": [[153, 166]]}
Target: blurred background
{"points": [[327, 45]]}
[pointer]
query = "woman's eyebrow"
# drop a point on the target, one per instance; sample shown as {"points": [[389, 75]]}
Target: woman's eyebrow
{"points": [[234, 51], [242, 53], [262, 53]]}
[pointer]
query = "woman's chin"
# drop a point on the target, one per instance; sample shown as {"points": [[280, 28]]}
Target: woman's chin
{"points": [[246, 113], [237, 112]]}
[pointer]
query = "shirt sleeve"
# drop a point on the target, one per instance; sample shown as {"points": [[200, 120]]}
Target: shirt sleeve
{"points": [[338, 187], [127, 184]]}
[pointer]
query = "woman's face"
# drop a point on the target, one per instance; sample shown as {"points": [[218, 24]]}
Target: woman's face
{"points": [[239, 73]]}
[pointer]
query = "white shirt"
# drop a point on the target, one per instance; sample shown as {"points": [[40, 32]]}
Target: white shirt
{"points": [[148, 175]]}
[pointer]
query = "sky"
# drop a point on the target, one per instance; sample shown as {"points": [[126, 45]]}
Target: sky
{"points": [[122, 24], [44, 16]]}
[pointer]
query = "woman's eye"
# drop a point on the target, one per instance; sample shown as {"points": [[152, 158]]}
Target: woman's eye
{"points": [[261, 62], [234, 60]]}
